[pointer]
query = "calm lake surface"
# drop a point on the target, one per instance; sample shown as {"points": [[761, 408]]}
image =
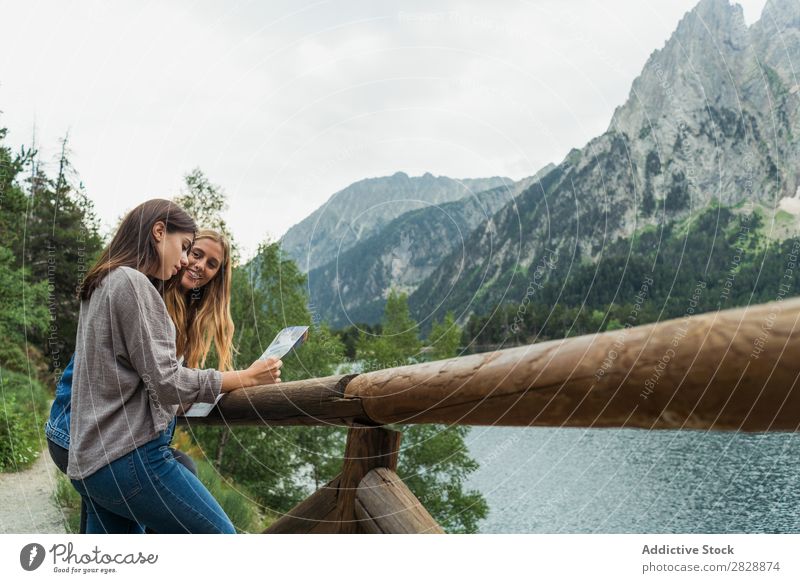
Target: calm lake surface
{"points": [[542, 480]]}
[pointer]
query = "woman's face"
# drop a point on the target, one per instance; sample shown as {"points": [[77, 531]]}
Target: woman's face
{"points": [[173, 251], [205, 261]]}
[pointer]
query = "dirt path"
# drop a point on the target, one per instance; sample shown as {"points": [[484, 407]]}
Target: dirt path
{"points": [[26, 499]]}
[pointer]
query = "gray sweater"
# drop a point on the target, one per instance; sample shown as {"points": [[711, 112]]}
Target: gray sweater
{"points": [[127, 382]]}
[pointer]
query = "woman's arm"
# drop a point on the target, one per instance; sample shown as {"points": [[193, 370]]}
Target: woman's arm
{"points": [[149, 339]]}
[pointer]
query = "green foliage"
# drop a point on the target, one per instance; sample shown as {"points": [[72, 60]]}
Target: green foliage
{"points": [[319, 451], [725, 252], [398, 342], [445, 338], [434, 461], [398, 325], [349, 336], [52, 232], [45, 233], [205, 201], [723, 122], [258, 458], [783, 218], [24, 409], [270, 294], [23, 310], [62, 243], [678, 196], [648, 200], [652, 164], [13, 202], [238, 504], [66, 497]]}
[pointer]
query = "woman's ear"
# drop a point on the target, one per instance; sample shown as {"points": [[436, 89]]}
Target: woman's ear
{"points": [[159, 230]]}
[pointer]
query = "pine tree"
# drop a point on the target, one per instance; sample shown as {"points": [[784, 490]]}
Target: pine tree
{"points": [[205, 201], [397, 344], [23, 315], [53, 235], [445, 338]]}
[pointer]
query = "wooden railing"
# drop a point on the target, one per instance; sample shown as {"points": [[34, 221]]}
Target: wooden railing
{"points": [[733, 370]]}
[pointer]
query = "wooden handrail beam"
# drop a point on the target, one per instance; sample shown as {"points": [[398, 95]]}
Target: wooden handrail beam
{"points": [[728, 370], [319, 401]]}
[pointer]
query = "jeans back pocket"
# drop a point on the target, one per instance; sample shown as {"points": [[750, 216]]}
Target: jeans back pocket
{"points": [[115, 483]]}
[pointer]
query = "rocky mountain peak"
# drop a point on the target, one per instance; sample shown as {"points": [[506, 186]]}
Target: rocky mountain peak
{"points": [[696, 65], [785, 13], [711, 119]]}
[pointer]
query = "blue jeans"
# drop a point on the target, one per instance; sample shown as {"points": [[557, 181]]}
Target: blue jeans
{"points": [[149, 488]]}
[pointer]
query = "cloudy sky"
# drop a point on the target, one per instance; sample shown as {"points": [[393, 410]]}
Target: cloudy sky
{"points": [[284, 103]]}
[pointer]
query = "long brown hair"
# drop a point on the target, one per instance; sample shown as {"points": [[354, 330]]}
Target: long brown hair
{"points": [[204, 314], [133, 244]]}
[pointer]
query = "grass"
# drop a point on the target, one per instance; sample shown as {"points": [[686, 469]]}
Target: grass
{"points": [[241, 508], [67, 498], [784, 217], [24, 403]]}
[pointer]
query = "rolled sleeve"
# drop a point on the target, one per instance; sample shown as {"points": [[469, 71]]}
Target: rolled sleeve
{"points": [[209, 381]]}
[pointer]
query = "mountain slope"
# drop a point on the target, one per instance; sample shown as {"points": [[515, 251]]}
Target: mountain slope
{"points": [[353, 286], [713, 116], [363, 208]]}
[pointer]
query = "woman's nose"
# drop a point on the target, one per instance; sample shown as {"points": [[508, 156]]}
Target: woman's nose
{"points": [[184, 259]]}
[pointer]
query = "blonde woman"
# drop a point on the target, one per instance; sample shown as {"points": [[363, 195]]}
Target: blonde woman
{"points": [[201, 305]]}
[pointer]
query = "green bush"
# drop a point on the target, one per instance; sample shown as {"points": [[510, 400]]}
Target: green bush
{"points": [[24, 403], [23, 313], [237, 503]]}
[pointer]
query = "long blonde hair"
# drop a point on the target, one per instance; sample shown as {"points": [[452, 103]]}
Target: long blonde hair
{"points": [[204, 314]]}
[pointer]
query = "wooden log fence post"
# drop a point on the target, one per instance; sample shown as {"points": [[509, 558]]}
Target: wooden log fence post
{"points": [[385, 505], [367, 448], [317, 514]]}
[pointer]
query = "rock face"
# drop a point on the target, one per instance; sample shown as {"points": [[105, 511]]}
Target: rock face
{"points": [[715, 114], [353, 286], [365, 207], [715, 106]]}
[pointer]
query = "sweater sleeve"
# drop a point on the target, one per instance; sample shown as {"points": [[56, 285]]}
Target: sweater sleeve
{"points": [[149, 338]]}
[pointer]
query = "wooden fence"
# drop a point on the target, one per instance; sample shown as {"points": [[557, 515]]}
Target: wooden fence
{"points": [[732, 370]]}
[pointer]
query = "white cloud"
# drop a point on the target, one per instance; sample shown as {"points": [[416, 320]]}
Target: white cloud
{"points": [[283, 104]]}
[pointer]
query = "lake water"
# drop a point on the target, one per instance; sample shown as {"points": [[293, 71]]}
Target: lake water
{"points": [[542, 480]]}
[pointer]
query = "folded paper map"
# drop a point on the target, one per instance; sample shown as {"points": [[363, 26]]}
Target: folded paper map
{"points": [[287, 339]]}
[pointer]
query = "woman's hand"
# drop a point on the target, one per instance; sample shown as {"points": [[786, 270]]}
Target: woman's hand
{"points": [[266, 372], [261, 372]]}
